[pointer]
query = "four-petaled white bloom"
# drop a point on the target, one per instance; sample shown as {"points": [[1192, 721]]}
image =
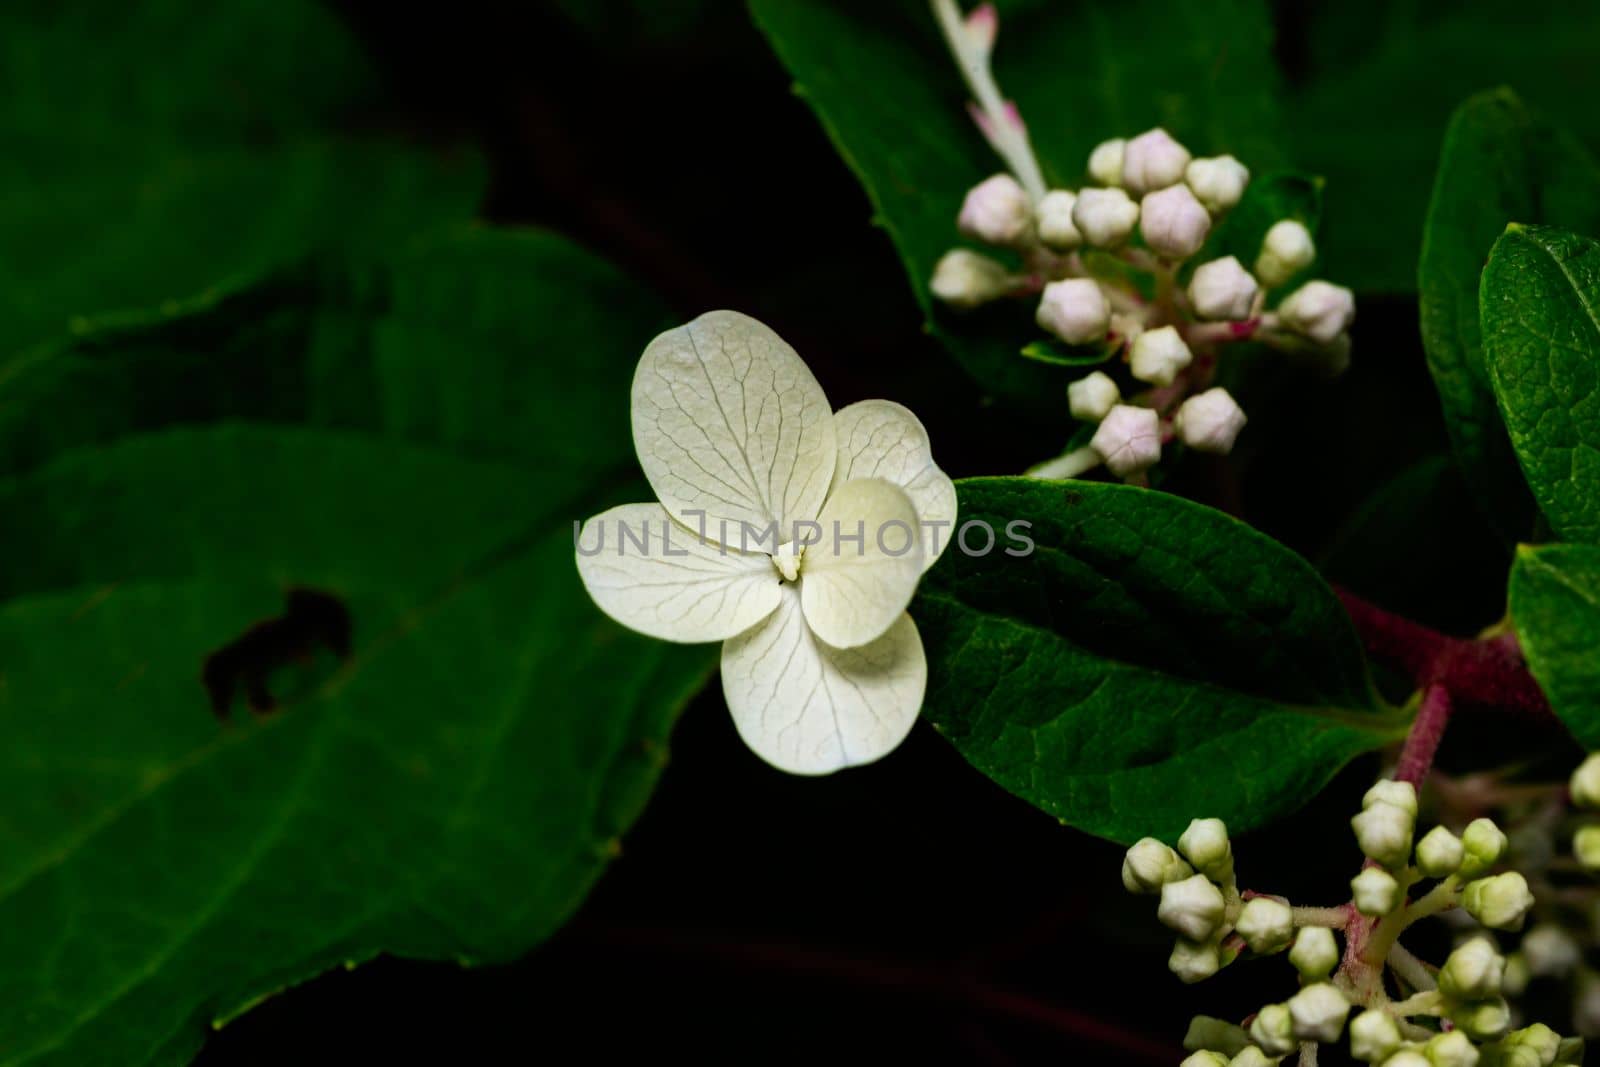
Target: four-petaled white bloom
{"points": [[793, 533]]}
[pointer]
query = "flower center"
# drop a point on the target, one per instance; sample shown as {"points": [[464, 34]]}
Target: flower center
{"points": [[787, 560]]}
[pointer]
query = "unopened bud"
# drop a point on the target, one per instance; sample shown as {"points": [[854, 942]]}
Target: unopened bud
{"points": [[1517, 976], [1151, 864], [1192, 906], [1319, 1012], [1266, 925], [1209, 421], [1402, 795], [1105, 162], [1483, 1020], [996, 210], [1205, 1058], [1173, 222], [1056, 229], [963, 278], [1407, 1057], [1075, 310], [1375, 891], [1105, 217], [1314, 953], [1205, 843], [1550, 951], [1439, 853], [1273, 1030], [1585, 783], [1286, 251], [1539, 1039], [1500, 902], [1194, 961], [1374, 1036], [1222, 289], [1092, 396], [1250, 1056], [1218, 181], [1483, 845], [1158, 355], [1586, 847], [1153, 160], [1454, 1049], [1474, 971], [1384, 833], [1128, 439], [1319, 310]]}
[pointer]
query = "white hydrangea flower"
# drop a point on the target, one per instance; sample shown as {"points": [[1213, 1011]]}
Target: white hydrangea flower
{"points": [[821, 666], [1218, 181], [1091, 397], [996, 210], [1157, 356], [1153, 160], [1222, 289], [1056, 228]]}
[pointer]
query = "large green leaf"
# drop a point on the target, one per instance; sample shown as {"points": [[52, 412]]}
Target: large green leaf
{"points": [[414, 440], [888, 93], [1540, 306], [1555, 605], [157, 146], [1377, 83], [1152, 660], [1500, 164]]}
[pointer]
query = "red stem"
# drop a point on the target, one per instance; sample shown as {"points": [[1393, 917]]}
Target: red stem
{"points": [[1416, 755]]}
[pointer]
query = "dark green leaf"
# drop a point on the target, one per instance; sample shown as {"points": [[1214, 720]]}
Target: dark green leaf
{"points": [[1540, 304], [1151, 661], [890, 97], [1062, 355], [393, 437], [1555, 605], [156, 148], [1500, 164]]}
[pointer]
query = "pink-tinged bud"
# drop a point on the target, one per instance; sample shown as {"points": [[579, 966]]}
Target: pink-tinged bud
{"points": [[1173, 222], [1153, 160], [965, 279], [1105, 217], [1222, 289], [1218, 182], [1319, 310], [1129, 440], [996, 210], [982, 25], [1210, 421], [1075, 310]]}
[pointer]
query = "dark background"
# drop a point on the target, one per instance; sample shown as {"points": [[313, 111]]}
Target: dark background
{"points": [[912, 910]]}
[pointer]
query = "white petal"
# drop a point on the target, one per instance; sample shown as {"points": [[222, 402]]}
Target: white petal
{"points": [[807, 708], [728, 420], [859, 577], [678, 587], [882, 439]]}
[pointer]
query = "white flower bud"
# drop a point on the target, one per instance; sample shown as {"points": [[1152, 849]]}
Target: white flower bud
{"points": [[1105, 162], [1173, 222], [1286, 251], [1056, 229], [1192, 906], [1153, 160], [1482, 1020], [1384, 833], [1499, 902], [1092, 396], [1375, 891], [1075, 310], [1205, 1058], [1266, 925], [1151, 864], [1158, 355], [1222, 289], [1407, 1057], [1550, 951], [1105, 217], [1585, 783], [1315, 954], [1218, 181], [996, 210], [1517, 976], [1374, 1035], [1128, 439], [1319, 310], [963, 278], [1473, 971], [1439, 853], [1273, 1030], [1205, 843], [1209, 421], [1454, 1049], [1586, 847], [1539, 1039], [1318, 1012], [1402, 795], [1194, 961], [1250, 1056], [1483, 845]]}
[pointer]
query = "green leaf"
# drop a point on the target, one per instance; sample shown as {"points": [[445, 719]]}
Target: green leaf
{"points": [[1063, 355], [155, 148], [890, 97], [1377, 83], [413, 439], [1150, 661], [1500, 164], [1540, 305], [1555, 605]]}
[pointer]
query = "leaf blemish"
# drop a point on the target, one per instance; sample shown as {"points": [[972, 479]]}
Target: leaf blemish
{"points": [[311, 621]]}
